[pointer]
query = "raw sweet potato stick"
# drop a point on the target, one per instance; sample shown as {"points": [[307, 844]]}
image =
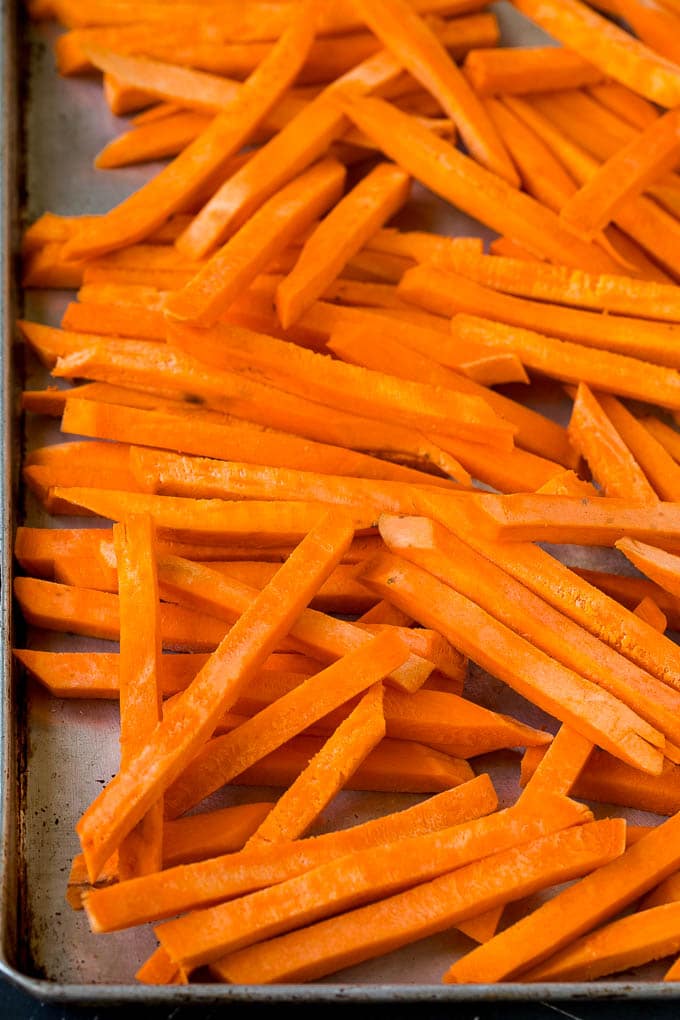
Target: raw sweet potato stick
{"points": [[628, 172], [268, 232], [428, 908], [185, 728], [140, 694], [432, 547], [611, 462], [177, 183], [232, 875], [343, 232], [515, 660], [568, 591], [302, 141], [581, 907], [469, 186], [609, 47], [521, 69], [417, 47], [342, 753], [358, 878]]}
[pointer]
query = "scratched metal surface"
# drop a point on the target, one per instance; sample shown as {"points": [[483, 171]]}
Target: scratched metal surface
{"points": [[57, 754]]}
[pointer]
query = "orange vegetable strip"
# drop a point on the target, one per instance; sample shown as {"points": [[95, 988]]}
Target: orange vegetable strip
{"points": [[530, 517], [611, 461], [343, 232], [190, 88], [469, 186], [394, 766], [222, 878], [268, 231], [225, 757], [628, 172], [654, 24], [159, 969], [642, 219], [286, 155], [631, 256], [47, 267], [341, 385], [141, 851], [648, 610], [514, 660], [326, 773], [567, 483], [133, 321], [184, 840], [560, 285], [420, 245], [443, 720], [560, 766], [209, 521], [661, 566], [485, 368], [581, 907], [192, 717], [434, 549], [482, 367], [444, 292], [149, 142], [428, 908], [543, 176], [211, 833], [415, 45], [628, 942], [77, 468], [658, 465], [521, 69], [319, 635], [51, 228], [441, 716], [158, 369], [173, 474], [569, 592], [667, 436], [667, 891], [177, 183], [627, 104], [261, 21], [328, 58], [385, 612], [122, 98], [323, 318], [617, 54], [408, 356], [39, 549], [604, 135], [571, 362], [505, 246], [606, 780], [365, 876], [80, 454], [63, 607], [74, 675], [341, 593], [155, 112]]}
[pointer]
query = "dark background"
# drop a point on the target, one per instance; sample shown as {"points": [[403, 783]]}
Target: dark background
{"points": [[16, 1004]]}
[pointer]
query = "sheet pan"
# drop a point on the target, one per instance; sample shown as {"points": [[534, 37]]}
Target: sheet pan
{"points": [[55, 755]]}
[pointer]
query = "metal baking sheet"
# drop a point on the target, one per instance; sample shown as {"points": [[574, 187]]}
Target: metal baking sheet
{"points": [[57, 754]]}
